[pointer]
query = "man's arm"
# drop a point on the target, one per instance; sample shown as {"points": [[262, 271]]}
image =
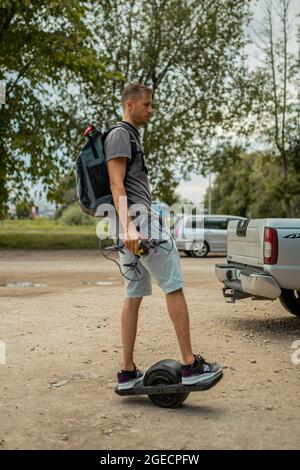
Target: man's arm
{"points": [[116, 171]]}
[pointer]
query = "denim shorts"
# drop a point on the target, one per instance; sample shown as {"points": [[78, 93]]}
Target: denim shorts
{"points": [[164, 264]]}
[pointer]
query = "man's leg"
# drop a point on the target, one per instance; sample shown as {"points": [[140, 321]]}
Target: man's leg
{"points": [[129, 320], [179, 315]]}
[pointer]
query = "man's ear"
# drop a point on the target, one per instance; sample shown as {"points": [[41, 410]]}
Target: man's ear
{"points": [[129, 105]]}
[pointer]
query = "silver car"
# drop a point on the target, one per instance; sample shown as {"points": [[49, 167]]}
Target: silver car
{"points": [[199, 235]]}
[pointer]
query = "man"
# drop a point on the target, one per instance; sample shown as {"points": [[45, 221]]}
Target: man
{"points": [[130, 180]]}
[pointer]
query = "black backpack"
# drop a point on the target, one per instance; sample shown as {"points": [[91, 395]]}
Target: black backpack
{"points": [[92, 180]]}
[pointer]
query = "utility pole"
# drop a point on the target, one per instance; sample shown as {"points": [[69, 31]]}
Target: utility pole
{"points": [[209, 193]]}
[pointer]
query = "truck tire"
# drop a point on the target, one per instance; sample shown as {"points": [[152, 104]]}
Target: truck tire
{"points": [[290, 299], [199, 249]]}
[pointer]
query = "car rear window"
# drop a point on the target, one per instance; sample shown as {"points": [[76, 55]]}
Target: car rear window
{"points": [[193, 222], [209, 224], [215, 224]]}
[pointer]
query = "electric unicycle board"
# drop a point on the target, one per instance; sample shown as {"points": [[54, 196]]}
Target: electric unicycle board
{"points": [[162, 383]]}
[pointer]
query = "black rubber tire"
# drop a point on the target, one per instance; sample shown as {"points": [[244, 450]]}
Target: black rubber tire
{"points": [[200, 254], [174, 400], [290, 299], [188, 253]]}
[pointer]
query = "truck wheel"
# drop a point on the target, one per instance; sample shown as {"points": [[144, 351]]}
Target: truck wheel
{"points": [[199, 249], [290, 299]]}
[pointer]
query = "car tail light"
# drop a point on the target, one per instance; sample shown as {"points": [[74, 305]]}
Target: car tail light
{"points": [[270, 246], [177, 230]]}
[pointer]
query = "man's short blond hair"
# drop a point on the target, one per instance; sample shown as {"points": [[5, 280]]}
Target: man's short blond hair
{"points": [[133, 91]]}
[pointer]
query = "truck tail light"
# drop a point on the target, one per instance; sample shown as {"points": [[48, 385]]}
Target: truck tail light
{"points": [[270, 246]]}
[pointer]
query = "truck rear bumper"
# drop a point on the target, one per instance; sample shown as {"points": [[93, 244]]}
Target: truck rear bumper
{"points": [[250, 283]]}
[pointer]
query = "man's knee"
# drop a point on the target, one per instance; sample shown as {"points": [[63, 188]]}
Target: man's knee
{"points": [[133, 300], [175, 292]]}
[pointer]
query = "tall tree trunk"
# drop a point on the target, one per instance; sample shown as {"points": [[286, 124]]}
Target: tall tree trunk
{"points": [[3, 183]]}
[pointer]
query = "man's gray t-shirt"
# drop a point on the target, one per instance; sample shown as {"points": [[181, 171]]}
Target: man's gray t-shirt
{"points": [[117, 144]]}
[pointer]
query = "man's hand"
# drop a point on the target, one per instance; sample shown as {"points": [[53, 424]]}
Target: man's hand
{"points": [[131, 238], [117, 171]]}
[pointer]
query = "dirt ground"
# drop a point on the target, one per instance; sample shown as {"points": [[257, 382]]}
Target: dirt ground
{"points": [[63, 349]]}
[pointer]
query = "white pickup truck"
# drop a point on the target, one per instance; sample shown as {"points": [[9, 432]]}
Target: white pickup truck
{"points": [[263, 261]]}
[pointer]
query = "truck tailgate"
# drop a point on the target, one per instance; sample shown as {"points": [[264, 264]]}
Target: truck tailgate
{"points": [[246, 246]]}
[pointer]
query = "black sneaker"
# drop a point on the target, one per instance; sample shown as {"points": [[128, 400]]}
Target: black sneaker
{"points": [[127, 379], [199, 371]]}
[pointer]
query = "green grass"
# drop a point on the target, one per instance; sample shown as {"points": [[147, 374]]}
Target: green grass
{"points": [[45, 234]]}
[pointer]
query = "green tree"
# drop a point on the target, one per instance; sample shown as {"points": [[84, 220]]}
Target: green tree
{"points": [[23, 209], [277, 107], [48, 63], [231, 191], [64, 193], [165, 189], [248, 184], [191, 53], [267, 183]]}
